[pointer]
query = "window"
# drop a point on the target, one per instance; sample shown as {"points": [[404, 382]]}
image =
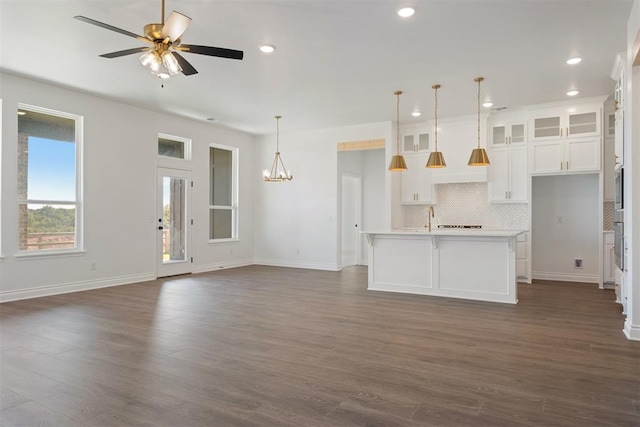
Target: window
{"points": [[49, 190], [174, 147], [223, 197]]}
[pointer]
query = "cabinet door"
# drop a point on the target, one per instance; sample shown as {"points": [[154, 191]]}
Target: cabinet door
{"points": [[581, 124], [422, 142], [546, 128], [517, 134], [407, 143], [518, 175], [609, 275], [425, 183], [583, 155], [499, 135], [409, 181], [619, 139], [546, 158], [608, 167], [498, 174]]}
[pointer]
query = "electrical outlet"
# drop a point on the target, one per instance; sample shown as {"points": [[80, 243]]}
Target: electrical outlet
{"points": [[577, 263]]}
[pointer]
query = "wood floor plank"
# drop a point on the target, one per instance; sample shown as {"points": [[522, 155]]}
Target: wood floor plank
{"points": [[269, 346]]}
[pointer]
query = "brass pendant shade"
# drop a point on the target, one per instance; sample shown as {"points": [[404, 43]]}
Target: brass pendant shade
{"points": [[397, 161], [478, 155], [436, 159], [397, 164]]}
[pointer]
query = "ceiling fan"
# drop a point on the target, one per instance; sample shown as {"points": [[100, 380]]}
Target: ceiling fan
{"points": [[162, 57]]}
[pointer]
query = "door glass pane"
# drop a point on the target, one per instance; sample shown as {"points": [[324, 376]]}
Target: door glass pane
{"points": [[407, 143], [517, 133], [423, 141], [546, 127], [582, 123], [221, 177], [499, 133], [220, 224], [174, 219]]}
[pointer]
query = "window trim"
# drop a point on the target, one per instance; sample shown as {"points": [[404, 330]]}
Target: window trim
{"points": [[234, 208], [79, 203]]}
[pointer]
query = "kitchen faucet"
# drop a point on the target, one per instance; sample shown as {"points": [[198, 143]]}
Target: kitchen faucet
{"points": [[430, 214]]}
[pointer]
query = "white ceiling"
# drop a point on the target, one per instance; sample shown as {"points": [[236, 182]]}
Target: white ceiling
{"points": [[337, 62]]}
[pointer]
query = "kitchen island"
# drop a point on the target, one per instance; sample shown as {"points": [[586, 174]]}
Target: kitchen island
{"points": [[462, 263]]}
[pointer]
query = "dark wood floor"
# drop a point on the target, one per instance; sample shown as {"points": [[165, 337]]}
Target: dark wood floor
{"points": [[261, 346]]}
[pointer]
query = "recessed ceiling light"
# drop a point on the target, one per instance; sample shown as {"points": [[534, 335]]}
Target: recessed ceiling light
{"points": [[416, 114], [573, 92], [21, 113], [487, 104], [574, 61], [406, 12], [267, 48]]}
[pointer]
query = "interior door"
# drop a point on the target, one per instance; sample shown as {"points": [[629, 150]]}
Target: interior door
{"points": [[173, 222], [351, 239]]}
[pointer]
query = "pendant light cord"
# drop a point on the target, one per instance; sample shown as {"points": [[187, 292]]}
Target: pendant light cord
{"points": [[479, 79], [398, 122], [277, 134], [436, 112]]}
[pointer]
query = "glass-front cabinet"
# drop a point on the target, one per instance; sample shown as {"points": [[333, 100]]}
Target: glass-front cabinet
{"points": [[505, 134], [570, 122]]}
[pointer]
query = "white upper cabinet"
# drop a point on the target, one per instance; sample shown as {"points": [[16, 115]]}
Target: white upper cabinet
{"points": [[619, 77], [565, 139], [572, 122], [417, 185], [507, 174], [507, 133], [415, 139]]}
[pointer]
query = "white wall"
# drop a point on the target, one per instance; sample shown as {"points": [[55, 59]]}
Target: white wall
{"points": [[565, 225], [632, 174], [297, 222], [373, 196], [120, 146]]}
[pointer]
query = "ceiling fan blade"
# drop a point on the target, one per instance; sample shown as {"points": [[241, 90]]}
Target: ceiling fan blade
{"points": [[212, 51], [175, 26], [187, 69], [124, 52], [112, 28]]}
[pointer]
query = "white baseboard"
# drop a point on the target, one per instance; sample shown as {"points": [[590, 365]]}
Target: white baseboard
{"points": [[203, 268], [632, 332], [566, 277], [297, 264], [608, 285], [66, 288]]}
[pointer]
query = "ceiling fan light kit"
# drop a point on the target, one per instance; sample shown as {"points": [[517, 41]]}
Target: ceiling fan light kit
{"points": [[162, 57]]}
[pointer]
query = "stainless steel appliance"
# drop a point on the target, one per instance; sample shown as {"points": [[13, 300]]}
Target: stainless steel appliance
{"points": [[619, 189]]}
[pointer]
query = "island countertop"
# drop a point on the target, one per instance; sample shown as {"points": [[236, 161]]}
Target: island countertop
{"points": [[466, 232]]}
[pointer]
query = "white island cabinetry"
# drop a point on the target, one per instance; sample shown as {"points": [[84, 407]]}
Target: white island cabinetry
{"points": [[469, 264]]}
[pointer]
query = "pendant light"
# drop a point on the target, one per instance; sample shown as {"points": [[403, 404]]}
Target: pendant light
{"points": [[397, 161], [436, 159], [478, 155], [278, 172]]}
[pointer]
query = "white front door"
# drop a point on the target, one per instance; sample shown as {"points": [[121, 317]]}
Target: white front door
{"points": [[173, 222], [351, 213]]}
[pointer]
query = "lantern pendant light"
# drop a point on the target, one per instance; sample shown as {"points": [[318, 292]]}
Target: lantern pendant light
{"points": [[397, 161], [478, 155], [278, 172], [436, 159]]}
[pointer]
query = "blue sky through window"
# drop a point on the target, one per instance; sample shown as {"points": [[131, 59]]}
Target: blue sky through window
{"points": [[52, 170]]}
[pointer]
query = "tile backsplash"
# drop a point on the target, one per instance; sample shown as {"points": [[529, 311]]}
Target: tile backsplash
{"points": [[608, 209], [467, 204]]}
